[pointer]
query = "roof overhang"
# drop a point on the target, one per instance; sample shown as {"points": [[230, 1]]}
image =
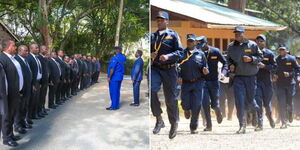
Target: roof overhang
{"points": [[7, 29]]}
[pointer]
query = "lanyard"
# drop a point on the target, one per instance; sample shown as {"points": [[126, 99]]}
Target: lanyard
{"points": [[157, 48], [187, 58]]}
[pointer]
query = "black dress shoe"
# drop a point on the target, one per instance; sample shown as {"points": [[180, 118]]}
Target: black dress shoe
{"points": [[28, 121], [271, 120], [27, 126], [194, 132], [109, 108], [283, 126], [259, 128], [159, 124], [242, 130], [52, 107], [219, 115], [20, 130], [187, 114], [134, 104], [173, 130], [207, 129], [16, 138], [10, 143]]}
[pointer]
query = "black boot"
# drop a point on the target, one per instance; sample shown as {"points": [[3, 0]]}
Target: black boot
{"points": [[259, 127], [218, 114], [187, 114], [159, 124], [271, 120], [173, 130], [242, 129]]}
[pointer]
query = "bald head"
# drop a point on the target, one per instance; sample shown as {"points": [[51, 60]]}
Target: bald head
{"points": [[23, 51], [34, 48], [43, 49]]}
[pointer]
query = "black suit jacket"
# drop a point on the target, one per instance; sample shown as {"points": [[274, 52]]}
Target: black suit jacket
{"points": [[45, 73], [3, 96], [12, 80], [27, 75], [62, 67], [54, 76], [67, 72], [34, 68]]}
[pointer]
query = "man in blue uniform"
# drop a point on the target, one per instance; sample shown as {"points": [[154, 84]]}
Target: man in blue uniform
{"points": [[164, 42], [211, 90], [264, 89], [193, 67], [243, 59], [137, 77], [115, 73], [287, 68]]}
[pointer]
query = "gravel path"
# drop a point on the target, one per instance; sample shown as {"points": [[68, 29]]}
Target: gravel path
{"points": [[223, 137]]}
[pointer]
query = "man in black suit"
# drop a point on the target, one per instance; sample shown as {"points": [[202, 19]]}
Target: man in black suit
{"points": [[76, 76], [37, 70], [67, 77], [44, 80], [15, 82], [60, 88], [19, 121], [54, 80], [3, 94], [84, 73]]}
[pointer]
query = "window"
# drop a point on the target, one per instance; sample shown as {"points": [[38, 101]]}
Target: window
{"points": [[217, 43], [225, 44], [209, 40]]}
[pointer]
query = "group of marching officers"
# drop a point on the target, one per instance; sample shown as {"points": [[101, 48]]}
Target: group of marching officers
{"points": [[26, 74], [245, 76]]}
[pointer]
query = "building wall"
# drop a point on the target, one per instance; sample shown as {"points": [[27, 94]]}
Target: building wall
{"points": [[217, 37]]}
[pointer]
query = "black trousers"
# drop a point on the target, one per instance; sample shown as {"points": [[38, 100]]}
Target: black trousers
{"points": [[74, 86], [8, 118], [58, 95], [19, 120], [34, 101], [52, 94], [43, 93]]}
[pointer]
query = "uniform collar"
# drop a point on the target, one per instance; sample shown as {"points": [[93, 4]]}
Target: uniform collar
{"points": [[162, 32]]}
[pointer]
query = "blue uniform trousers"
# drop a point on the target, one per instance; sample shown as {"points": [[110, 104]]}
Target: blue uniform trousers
{"points": [[285, 99], [168, 77], [136, 91], [211, 93], [244, 93], [191, 98], [114, 91], [263, 97]]}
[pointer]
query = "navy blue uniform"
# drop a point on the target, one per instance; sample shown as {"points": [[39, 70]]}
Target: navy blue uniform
{"points": [[165, 72], [244, 81], [212, 86], [118, 64], [193, 81], [137, 77], [286, 85], [264, 89]]}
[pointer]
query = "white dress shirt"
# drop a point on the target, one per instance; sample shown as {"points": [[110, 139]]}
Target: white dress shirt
{"points": [[19, 70]]}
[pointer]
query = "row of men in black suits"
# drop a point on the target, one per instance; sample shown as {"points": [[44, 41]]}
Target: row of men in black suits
{"points": [[26, 73]]}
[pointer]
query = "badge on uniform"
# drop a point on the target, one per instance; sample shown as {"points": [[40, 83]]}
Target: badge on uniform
{"points": [[248, 50], [288, 63], [266, 58], [213, 57], [199, 57], [169, 37]]}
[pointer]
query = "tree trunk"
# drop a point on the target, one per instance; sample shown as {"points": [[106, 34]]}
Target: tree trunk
{"points": [[238, 5], [45, 27], [117, 38]]}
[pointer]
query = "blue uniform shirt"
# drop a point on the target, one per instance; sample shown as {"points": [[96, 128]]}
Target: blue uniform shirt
{"points": [[191, 69], [137, 70], [264, 74], [168, 42], [288, 64], [214, 56], [118, 64]]}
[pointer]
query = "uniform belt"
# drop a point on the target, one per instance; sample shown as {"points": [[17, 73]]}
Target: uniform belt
{"points": [[192, 81], [163, 66]]}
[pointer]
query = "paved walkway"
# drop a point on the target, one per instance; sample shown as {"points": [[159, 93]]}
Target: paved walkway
{"points": [[83, 123]]}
